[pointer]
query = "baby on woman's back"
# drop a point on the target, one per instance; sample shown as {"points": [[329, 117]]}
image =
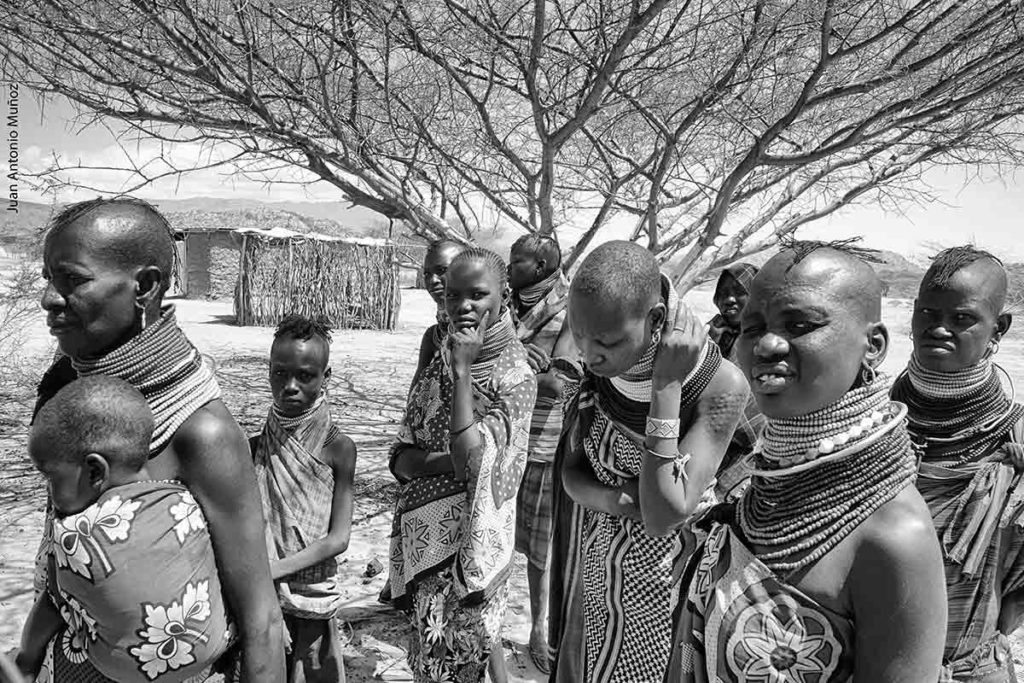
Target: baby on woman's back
{"points": [[132, 586]]}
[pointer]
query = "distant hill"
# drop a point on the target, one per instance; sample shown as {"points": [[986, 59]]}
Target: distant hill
{"points": [[259, 217], [24, 228]]}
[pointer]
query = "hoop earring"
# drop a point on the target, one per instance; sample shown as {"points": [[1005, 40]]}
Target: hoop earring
{"points": [[867, 373], [993, 348]]}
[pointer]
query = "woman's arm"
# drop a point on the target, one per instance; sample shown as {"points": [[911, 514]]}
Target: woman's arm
{"points": [[342, 457], [670, 488], [898, 590], [427, 352], [43, 623], [409, 462], [586, 491], [217, 467]]}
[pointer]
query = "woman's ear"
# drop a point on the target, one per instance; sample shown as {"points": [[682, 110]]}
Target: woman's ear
{"points": [[98, 470], [147, 286], [1003, 323], [658, 316], [878, 344]]}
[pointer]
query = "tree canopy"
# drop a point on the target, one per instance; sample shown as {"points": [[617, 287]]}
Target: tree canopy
{"points": [[714, 127]]}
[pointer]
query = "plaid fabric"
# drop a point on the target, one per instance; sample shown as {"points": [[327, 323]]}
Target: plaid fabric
{"points": [[541, 326], [534, 513], [296, 485]]}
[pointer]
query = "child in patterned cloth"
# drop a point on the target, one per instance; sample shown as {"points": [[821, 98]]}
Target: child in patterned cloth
{"points": [[132, 560]]}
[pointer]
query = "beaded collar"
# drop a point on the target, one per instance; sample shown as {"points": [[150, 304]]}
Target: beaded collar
{"points": [[792, 516], [960, 417], [859, 418]]}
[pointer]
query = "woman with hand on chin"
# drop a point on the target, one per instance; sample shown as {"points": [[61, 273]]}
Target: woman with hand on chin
{"points": [[460, 456]]}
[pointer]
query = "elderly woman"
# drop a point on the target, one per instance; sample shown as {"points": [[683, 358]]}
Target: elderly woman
{"points": [[107, 265], [827, 568]]}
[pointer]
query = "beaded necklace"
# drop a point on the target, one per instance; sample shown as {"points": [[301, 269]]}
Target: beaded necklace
{"points": [[957, 417], [497, 338], [166, 368], [798, 509]]}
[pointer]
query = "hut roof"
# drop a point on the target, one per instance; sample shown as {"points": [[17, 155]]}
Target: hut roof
{"points": [[277, 233]]}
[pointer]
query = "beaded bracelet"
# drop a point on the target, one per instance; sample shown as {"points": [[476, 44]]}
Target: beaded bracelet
{"points": [[662, 429]]}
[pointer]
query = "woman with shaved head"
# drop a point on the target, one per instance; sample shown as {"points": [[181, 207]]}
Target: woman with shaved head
{"points": [[969, 433], [827, 568], [107, 264]]}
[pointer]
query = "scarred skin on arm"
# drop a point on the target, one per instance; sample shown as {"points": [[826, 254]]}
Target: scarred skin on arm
{"points": [[897, 590], [666, 500], [211, 456], [341, 455]]}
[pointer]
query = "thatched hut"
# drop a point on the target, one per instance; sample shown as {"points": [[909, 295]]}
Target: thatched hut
{"points": [[352, 281]]}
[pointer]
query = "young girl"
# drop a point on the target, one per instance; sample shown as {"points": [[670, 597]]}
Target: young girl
{"points": [[304, 471], [460, 457]]}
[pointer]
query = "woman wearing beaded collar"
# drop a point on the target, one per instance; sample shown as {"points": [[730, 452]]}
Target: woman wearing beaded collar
{"points": [[107, 265], [643, 437], [827, 569], [965, 427]]}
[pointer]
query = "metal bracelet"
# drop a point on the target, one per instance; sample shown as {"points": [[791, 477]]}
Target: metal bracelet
{"points": [[662, 429]]}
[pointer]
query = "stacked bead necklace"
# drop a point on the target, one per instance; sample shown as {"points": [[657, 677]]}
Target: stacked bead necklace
{"points": [[166, 368], [822, 474], [957, 417]]}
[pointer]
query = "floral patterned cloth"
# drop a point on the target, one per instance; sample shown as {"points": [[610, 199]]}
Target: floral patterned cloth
{"points": [[453, 641], [461, 533], [740, 622], [138, 589]]}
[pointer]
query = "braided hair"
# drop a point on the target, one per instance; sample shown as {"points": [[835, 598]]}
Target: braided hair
{"points": [[297, 326], [489, 259], [949, 262], [803, 248]]}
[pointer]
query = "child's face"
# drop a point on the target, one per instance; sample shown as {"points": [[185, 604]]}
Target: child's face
{"points": [[68, 483], [471, 290], [298, 369]]}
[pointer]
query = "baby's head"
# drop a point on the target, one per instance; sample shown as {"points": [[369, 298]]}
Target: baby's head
{"points": [[94, 434]]}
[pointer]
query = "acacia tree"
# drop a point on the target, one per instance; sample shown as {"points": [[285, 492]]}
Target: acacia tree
{"points": [[714, 126]]}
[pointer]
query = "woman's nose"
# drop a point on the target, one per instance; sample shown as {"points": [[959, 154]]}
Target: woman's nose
{"points": [[771, 345], [51, 300]]}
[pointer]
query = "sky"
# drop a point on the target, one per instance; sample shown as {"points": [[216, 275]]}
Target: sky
{"points": [[985, 209]]}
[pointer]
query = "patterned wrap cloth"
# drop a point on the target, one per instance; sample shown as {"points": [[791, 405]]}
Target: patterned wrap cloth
{"points": [[978, 511], [541, 325], [296, 486], [452, 540], [175, 379], [137, 586], [614, 586], [746, 624]]}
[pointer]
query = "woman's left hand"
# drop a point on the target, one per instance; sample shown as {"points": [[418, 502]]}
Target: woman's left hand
{"points": [[682, 341], [467, 342]]}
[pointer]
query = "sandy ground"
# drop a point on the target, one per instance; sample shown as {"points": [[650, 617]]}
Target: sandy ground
{"points": [[371, 373]]}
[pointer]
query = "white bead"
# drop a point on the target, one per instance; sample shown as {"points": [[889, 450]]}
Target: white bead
{"points": [[841, 439], [866, 422], [826, 446], [856, 431]]}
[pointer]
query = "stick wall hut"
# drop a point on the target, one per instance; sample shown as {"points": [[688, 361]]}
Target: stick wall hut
{"points": [[354, 282]]}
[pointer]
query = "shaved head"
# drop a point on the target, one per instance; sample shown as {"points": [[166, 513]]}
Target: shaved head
{"points": [[619, 274], [129, 233], [847, 277]]}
